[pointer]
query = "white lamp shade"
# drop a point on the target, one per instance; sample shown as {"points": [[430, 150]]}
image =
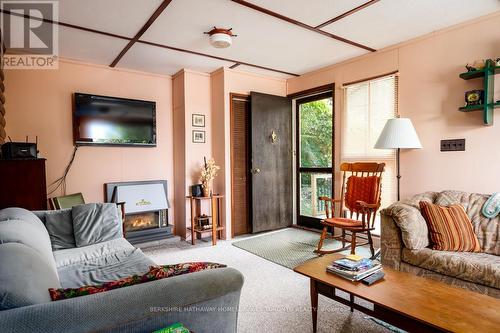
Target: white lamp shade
{"points": [[220, 40], [398, 133]]}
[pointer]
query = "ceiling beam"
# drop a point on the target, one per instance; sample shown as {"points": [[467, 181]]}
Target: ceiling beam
{"points": [[99, 32], [235, 65], [215, 57], [141, 32], [350, 12], [301, 24]]}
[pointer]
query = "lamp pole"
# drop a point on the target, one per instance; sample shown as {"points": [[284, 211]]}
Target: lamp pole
{"points": [[398, 176]]}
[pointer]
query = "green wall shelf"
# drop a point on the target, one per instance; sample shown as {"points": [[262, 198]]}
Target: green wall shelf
{"points": [[488, 76], [479, 107]]}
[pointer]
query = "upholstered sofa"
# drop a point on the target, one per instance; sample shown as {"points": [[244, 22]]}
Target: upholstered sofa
{"points": [[405, 244], [37, 252]]}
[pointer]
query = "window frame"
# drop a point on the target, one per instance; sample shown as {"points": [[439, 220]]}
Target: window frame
{"points": [[303, 220], [389, 159]]}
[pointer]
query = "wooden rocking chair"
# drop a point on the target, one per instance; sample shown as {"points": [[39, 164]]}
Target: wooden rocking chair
{"points": [[361, 190]]}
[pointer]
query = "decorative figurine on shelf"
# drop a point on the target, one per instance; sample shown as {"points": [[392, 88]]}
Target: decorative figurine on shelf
{"points": [[476, 65], [474, 97], [208, 173]]}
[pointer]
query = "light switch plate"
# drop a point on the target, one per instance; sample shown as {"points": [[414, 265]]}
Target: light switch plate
{"points": [[453, 145]]}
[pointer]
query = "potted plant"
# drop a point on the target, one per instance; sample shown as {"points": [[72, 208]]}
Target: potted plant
{"points": [[208, 173]]}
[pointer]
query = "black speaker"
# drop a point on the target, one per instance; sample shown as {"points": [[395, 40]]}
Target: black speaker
{"points": [[196, 190], [18, 150]]}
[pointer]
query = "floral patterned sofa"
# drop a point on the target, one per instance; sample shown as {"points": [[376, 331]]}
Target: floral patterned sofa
{"points": [[405, 243]]}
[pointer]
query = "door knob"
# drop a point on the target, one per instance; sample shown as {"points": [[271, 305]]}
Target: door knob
{"points": [[255, 170]]}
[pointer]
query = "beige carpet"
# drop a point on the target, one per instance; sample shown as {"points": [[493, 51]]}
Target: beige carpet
{"points": [[274, 298]]}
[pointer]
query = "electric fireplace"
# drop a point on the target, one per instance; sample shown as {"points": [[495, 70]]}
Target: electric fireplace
{"points": [[146, 209]]}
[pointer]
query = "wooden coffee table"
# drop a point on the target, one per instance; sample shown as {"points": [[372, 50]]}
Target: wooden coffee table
{"points": [[405, 300]]}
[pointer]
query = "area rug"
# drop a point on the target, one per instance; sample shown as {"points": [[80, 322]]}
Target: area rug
{"points": [[289, 247]]}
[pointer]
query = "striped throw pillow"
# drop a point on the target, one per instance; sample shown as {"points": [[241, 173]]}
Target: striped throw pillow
{"points": [[450, 228]]}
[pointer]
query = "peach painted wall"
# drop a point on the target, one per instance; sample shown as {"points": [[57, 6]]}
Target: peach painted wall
{"points": [[179, 137], [218, 126], [198, 100], [40, 103], [430, 93], [192, 95], [242, 83]]}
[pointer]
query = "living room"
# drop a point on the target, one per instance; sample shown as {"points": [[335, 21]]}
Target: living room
{"points": [[250, 125]]}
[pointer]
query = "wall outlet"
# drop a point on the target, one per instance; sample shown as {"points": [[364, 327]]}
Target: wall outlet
{"points": [[453, 145]]}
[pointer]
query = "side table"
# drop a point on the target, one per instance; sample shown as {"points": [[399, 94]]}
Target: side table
{"points": [[213, 218]]}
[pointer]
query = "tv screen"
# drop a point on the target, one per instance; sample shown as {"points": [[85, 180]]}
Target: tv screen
{"points": [[103, 120]]}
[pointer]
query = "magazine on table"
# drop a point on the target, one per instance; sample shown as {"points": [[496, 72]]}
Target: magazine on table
{"points": [[353, 270]]}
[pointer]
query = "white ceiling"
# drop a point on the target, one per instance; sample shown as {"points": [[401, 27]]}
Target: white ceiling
{"points": [[388, 22], [262, 39]]}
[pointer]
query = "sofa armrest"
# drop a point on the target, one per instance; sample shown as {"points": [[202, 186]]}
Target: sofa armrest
{"points": [[391, 245], [205, 301], [411, 224]]}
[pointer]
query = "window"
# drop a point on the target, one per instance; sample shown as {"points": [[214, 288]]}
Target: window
{"points": [[367, 107], [315, 160]]}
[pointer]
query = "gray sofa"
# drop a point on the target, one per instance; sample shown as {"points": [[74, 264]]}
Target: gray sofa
{"points": [[405, 244], [44, 250]]}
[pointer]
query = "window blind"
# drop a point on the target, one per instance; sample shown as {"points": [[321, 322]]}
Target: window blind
{"points": [[367, 107]]}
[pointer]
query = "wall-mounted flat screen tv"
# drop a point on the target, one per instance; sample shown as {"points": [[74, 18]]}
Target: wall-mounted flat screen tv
{"points": [[103, 120]]}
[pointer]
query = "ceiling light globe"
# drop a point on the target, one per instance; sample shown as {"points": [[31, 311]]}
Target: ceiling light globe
{"points": [[220, 40]]}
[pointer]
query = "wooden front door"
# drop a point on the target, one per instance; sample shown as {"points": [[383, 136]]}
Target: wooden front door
{"points": [[271, 151], [240, 161]]}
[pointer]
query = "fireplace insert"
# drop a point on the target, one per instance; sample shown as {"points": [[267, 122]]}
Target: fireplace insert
{"points": [[146, 209]]}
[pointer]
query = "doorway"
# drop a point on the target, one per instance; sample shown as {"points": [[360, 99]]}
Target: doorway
{"points": [[240, 165], [261, 163], [315, 157]]}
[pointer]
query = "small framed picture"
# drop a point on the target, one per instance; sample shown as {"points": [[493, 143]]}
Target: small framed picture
{"points": [[198, 120], [199, 136]]}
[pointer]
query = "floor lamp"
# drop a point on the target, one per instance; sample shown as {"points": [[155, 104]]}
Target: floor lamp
{"points": [[398, 133]]}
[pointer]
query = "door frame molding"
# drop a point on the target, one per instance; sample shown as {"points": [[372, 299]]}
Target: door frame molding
{"points": [[309, 95], [231, 115]]}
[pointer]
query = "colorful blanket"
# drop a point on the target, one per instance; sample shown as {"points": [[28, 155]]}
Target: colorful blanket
{"points": [[155, 273]]}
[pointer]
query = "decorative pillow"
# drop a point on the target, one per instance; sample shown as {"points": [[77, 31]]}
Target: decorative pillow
{"points": [[155, 273], [96, 223], [450, 228], [59, 224]]}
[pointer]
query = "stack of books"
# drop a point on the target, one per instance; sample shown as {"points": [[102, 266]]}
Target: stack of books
{"points": [[353, 268]]}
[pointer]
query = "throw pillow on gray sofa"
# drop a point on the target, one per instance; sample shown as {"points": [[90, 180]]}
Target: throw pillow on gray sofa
{"points": [[59, 224], [25, 278], [96, 223]]}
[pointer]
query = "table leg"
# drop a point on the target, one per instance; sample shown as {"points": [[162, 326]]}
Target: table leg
{"points": [[215, 219], [314, 305], [193, 203]]}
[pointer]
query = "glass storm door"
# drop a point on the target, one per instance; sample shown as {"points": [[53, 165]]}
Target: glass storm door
{"points": [[315, 157]]}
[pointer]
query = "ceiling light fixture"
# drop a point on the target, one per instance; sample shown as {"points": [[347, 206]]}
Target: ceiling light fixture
{"points": [[220, 37]]}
